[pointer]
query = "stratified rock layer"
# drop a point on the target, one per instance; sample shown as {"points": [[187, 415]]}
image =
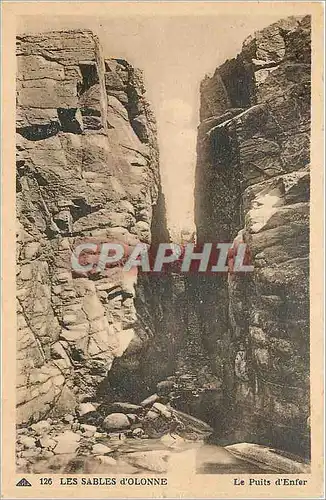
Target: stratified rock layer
{"points": [[252, 185], [87, 171]]}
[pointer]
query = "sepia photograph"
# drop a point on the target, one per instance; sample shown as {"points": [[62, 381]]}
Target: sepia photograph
{"points": [[163, 233]]}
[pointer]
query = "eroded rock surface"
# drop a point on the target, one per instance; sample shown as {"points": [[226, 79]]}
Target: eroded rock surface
{"points": [[252, 185], [87, 171]]}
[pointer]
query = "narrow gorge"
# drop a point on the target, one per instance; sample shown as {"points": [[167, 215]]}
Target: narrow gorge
{"points": [[130, 354]]}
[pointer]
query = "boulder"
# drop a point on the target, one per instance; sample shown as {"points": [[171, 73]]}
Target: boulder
{"points": [[116, 421], [269, 458], [190, 424], [162, 410], [67, 442]]}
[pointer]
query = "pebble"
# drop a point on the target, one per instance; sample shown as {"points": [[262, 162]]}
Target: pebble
{"points": [[88, 430], [27, 441], [68, 418], [41, 427], [101, 449]]}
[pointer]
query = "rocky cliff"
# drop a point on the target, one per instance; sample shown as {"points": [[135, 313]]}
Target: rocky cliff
{"points": [[87, 171], [252, 185], [230, 349]]}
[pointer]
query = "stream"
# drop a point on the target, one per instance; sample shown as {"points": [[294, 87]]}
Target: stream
{"points": [[155, 439], [145, 457]]}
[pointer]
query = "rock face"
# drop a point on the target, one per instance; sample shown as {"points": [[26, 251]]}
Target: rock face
{"points": [[229, 349], [87, 171], [252, 185]]}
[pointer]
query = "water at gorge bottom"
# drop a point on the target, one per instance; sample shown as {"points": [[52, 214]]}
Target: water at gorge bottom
{"points": [[131, 456]]}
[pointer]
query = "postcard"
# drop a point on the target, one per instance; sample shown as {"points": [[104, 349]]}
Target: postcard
{"points": [[162, 243]]}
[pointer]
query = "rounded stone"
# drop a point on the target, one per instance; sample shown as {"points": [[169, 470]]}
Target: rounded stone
{"points": [[84, 408], [116, 421]]}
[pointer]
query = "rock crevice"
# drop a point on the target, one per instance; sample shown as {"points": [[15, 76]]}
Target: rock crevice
{"points": [[230, 349]]}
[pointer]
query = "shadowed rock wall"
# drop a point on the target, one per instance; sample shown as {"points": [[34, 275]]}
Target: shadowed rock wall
{"points": [[87, 171], [252, 184]]}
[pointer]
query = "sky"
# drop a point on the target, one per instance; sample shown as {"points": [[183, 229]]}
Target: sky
{"points": [[174, 53]]}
